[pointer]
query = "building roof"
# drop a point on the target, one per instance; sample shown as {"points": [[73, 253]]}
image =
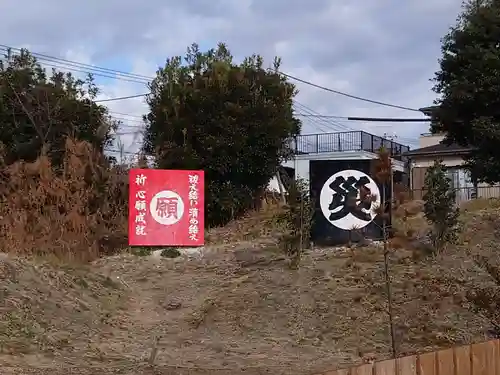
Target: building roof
{"points": [[429, 110], [439, 149]]}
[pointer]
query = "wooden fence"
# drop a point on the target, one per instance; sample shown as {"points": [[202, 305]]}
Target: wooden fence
{"points": [[477, 359]]}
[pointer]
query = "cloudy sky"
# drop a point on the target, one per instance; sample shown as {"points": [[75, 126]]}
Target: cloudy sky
{"points": [[386, 50]]}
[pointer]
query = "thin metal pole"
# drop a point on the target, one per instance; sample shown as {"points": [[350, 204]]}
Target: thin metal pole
{"points": [[387, 276], [301, 246]]}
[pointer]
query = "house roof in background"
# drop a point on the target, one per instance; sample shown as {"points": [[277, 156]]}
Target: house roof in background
{"points": [[428, 111], [439, 149]]}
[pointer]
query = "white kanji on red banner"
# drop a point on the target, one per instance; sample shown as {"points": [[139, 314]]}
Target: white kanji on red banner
{"points": [[140, 205], [193, 196], [166, 208]]}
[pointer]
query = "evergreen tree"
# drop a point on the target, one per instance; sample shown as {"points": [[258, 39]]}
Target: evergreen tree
{"points": [[234, 121], [440, 208], [40, 110], [468, 84]]}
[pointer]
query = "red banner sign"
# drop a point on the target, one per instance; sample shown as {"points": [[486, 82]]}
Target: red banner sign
{"points": [[166, 208]]}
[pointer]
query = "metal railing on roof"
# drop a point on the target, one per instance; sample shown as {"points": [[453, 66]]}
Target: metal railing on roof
{"points": [[346, 141]]}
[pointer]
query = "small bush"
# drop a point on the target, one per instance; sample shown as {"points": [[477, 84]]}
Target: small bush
{"points": [[439, 207]]}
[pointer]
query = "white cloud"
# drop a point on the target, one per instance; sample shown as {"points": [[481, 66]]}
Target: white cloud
{"points": [[385, 50]]}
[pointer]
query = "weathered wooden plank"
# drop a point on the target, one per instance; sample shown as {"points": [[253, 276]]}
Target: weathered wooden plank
{"points": [[406, 365], [497, 354], [445, 362], [385, 368], [491, 357], [426, 364], [479, 355], [477, 359], [366, 369], [463, 360], [344, 371]]}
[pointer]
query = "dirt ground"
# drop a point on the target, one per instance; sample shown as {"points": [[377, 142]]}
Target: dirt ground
{"points": [[238, 308]]}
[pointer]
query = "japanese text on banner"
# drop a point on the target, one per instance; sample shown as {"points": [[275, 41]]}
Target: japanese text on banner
{"points": [[140, 206], [193, 196]]}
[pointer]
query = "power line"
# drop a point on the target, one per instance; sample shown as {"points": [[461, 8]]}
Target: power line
{"points": [[388, 119], [65, 67], [320, 120], [61, 63], [328, 121], [123, 120], [321, 124], [349, 95], [322, 116], [139, 78], [310, 113], [80, 65], [120, 98], [126, 114], [368, 119]]}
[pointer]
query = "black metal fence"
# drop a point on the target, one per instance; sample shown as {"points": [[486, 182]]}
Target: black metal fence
{"points": [[465, 194], [346, 141]]}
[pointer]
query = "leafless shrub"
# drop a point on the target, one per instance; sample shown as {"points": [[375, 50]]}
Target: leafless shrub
{"points": [[77, 211], [296, 217]]}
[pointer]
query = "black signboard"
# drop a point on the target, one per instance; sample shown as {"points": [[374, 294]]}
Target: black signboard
{"points": [[343, 213]]}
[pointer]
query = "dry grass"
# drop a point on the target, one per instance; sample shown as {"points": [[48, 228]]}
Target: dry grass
{"points": [[240, 307], [256, 225], [480, 204], [45, 307], [77, 212]]}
